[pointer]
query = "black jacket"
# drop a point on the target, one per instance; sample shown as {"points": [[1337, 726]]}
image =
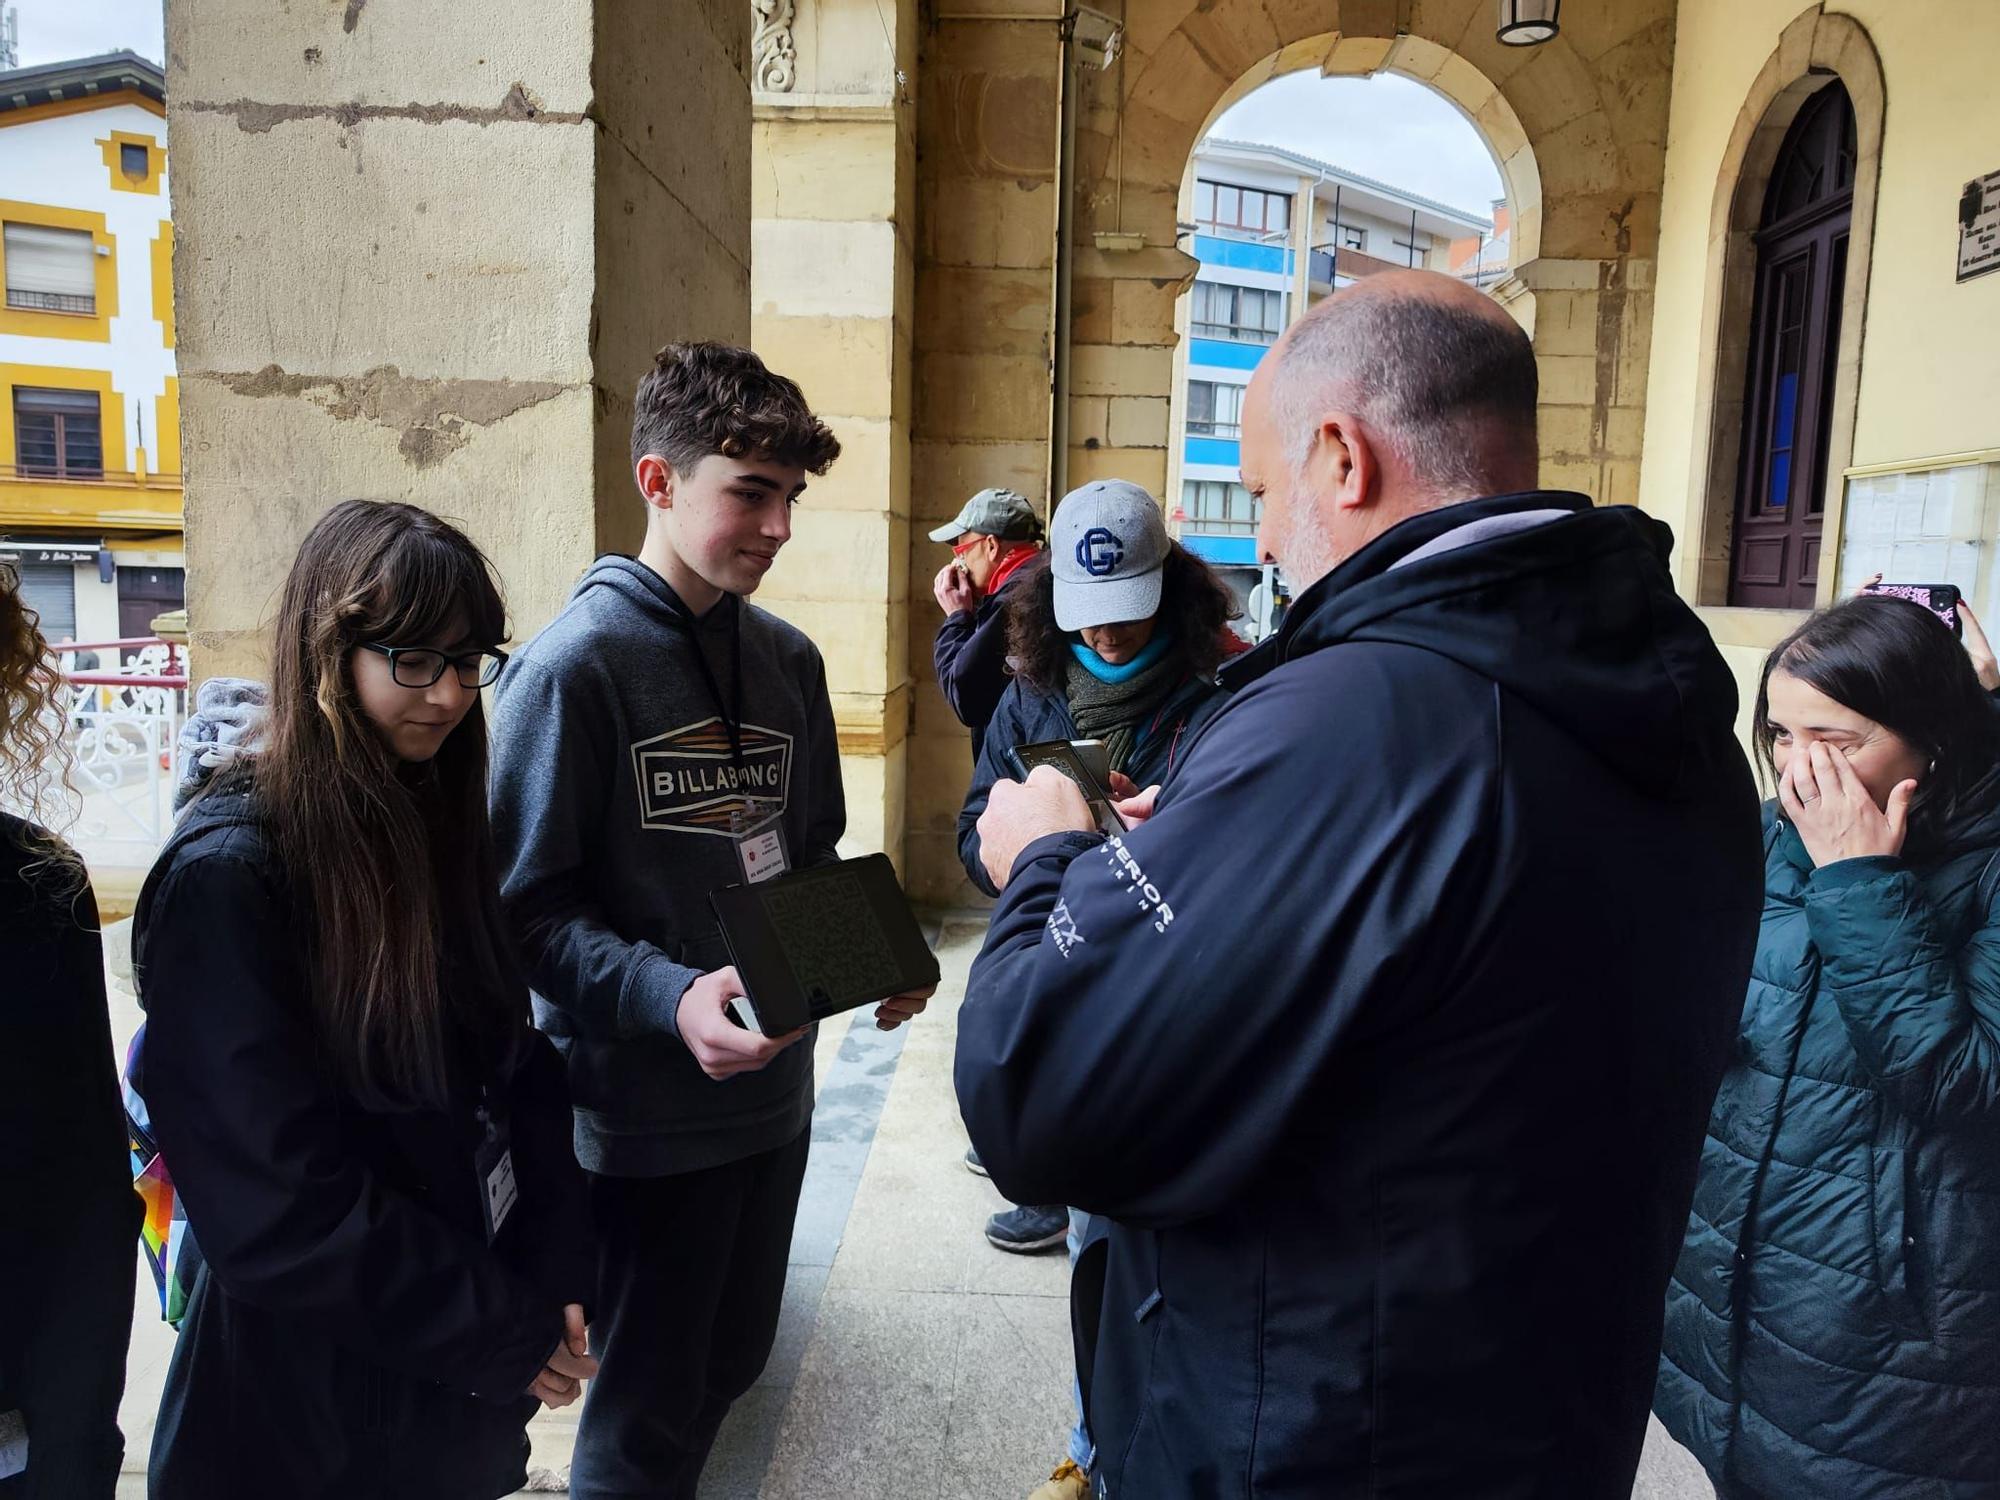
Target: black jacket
{"points": [[353, 1332], [1028, 716], [68, 1261], [970, 655], [1388, 1041]]}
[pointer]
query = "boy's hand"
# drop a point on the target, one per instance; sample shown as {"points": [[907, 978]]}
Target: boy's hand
{"points": [[723, 1048], [897, 1009]]}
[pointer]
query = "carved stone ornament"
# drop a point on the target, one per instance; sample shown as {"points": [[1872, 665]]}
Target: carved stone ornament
{"points": [[776, 58]]}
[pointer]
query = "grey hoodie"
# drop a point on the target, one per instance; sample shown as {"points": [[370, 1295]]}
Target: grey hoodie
{"points": [[613, 790]]}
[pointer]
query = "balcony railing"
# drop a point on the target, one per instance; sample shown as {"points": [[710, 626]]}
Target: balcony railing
{"points": [[1230, 430], [1245, 236], [1208, 526], [41, 473], [1235, 332], [61, 302]]}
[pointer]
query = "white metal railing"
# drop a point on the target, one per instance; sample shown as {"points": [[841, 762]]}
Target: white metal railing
{"points": [[124, 714]]}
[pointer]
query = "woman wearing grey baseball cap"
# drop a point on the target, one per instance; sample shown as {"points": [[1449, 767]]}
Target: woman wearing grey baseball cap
{"points": [[1115, 635]]}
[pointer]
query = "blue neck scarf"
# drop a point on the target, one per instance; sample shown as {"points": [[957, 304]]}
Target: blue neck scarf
{"points": [[1104, 672]]}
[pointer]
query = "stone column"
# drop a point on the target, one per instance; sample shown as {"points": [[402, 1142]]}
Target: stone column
{"points": [[989, 129], [834, 166], [423, 253], [1593, 332]]}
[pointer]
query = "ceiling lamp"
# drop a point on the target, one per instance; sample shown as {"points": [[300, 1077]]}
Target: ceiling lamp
{"points": [[1527, 23]]}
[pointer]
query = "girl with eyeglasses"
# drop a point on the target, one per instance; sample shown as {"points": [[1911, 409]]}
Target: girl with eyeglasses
{"points": [[371, 1145]]}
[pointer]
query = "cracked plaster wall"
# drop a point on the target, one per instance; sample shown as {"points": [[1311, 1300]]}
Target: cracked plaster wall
{"points": [[424, 253]]}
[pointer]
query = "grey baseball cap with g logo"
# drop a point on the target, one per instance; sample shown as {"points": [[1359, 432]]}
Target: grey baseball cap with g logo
{"points": [[1108, 550]]}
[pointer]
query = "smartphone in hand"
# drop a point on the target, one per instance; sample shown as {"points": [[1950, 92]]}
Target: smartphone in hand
{"points": [[1941, 599]]}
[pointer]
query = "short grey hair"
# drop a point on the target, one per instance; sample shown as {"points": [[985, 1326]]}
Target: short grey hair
{"points": [[1431, 380]]}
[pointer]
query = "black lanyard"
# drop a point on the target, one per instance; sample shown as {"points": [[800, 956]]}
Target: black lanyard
{"points": [[732, 718]]}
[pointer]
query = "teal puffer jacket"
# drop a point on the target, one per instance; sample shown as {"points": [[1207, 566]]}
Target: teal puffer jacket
{"points": [[1833, 1326]]}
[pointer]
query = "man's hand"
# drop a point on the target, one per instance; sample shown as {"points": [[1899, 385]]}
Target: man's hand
{"points": [[1019, 812], [561, 1379], [723, 1048], [1835, 816], [954, 589], [897, 1009], [1133, 805]]}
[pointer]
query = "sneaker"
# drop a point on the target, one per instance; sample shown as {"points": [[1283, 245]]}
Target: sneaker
{"points": [[973, 1164], [1024, 1231], [1067, 1483]]}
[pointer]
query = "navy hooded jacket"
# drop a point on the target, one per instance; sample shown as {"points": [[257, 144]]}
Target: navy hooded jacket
{"points": [[1388, 1041]]}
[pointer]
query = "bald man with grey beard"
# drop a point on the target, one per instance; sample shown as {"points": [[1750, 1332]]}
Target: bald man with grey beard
{"points": [[1386, 1038]]}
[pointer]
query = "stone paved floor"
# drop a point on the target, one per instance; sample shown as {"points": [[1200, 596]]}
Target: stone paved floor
{"points": [[912, 1359]]}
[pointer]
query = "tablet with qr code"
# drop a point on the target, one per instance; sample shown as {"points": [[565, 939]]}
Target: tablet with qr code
{"points": [[817, 942]]}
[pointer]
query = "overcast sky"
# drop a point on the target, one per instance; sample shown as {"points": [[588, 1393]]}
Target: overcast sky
{"points": [[59, 30], [1386, 127]]}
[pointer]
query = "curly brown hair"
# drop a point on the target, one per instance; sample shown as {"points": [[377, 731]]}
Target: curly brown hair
{"points": [[703, 398], [35, 757], [1195, 611]]}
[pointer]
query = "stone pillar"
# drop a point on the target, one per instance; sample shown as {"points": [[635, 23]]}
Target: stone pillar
{"points": [[1593, 332], [834, 166], [424, 253], [985, 317]]}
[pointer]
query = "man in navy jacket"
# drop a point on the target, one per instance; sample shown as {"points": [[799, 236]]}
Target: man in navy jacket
{"points": [[993, 537], [1388, 1038]]}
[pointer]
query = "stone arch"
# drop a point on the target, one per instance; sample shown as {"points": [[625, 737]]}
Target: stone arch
{"points": [[1475, 96], [1579, 128], [1815, 49]]}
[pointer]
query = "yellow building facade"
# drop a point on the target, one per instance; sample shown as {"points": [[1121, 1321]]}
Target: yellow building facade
{"points": [[959, 224], [90, 461]]}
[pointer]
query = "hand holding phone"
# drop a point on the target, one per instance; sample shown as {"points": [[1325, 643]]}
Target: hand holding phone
{"points": [[1076, 759], [1941, 599]]}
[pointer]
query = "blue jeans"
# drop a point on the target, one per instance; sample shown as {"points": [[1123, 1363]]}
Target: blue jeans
{"points": [[1082, 1451]]}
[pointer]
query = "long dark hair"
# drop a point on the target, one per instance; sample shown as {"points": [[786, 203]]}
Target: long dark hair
{"points": [[1195, 609], [1894, 662], [390, 861]]}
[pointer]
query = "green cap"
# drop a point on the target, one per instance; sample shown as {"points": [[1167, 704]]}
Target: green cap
{"points": [[1000, 513]]}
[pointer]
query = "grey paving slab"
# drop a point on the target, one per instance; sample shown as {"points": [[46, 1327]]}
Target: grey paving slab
{"points": [[871, 1409], [1667, 1471], [1011, 1409]]}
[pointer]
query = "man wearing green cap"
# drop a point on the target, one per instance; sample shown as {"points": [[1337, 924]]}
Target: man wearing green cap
{"points": [[992, 537]]}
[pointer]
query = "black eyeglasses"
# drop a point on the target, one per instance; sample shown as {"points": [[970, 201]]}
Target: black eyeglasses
{"points": [[420, 667]]}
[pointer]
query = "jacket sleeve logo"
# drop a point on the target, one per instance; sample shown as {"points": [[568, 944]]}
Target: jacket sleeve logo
{"points": [[687, 783]]}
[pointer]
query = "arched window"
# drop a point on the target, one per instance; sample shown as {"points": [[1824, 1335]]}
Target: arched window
{"points": [[1794, 344]]}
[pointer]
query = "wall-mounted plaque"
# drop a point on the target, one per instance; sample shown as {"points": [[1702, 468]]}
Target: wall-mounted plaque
{"points": [[1979, 227]]}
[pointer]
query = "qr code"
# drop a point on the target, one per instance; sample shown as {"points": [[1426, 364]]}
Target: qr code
{"points": [[832, 940]]}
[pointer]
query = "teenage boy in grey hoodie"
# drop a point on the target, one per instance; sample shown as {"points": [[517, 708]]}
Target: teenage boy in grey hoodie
{"points": [[661, 738]]}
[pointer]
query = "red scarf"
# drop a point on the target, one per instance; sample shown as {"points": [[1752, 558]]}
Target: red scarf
{"points": [[1011, 563]]}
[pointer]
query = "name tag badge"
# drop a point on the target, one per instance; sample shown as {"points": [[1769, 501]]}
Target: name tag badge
{"points": [[496, 1177], [762, 854]]}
